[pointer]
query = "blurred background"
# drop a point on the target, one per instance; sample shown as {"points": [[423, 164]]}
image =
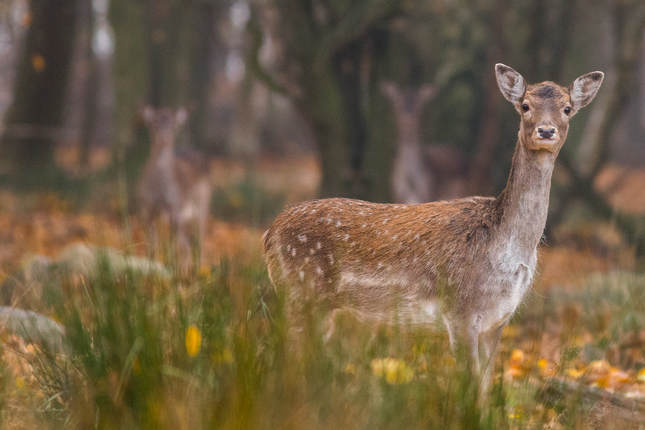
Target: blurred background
{"points": [[286, 99]]}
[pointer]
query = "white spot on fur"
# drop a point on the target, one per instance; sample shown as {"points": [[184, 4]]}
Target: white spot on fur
{"points": [[311, 251], [318, 245], [319, 271], [301, 274], [302, 238], [346, 237], [338, 224], [293, 252], [331, 259]]}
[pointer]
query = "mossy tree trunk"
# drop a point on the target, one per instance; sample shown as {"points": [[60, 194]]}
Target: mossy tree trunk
{"points": [[128, 20], [325, 75], [34, 119]]}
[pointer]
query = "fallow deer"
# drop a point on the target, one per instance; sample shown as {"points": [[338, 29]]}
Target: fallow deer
{"points": [[468, 261], [421, 173], [173, 184]]}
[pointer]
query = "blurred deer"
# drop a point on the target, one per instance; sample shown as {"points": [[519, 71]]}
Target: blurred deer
{"points": [[174, 184], [421, 173], [468, 261]]}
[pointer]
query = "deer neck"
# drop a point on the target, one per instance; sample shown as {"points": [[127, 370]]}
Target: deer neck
{"points": [[409, 138], [162, 150], [524, 203]]}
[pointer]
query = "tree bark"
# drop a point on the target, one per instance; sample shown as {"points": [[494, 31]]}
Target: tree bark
{"points": [[128, 19], [322, 75], [33, 122], [205, 46]]}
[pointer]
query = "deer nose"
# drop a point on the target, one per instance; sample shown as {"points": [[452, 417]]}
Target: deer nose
{"points": [[546, 132]]}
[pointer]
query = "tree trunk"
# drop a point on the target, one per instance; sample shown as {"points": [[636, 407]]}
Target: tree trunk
{"points": [[33, 122], [128, 19], [203, 46], [166, 48], [91, 93], [323, 106]]}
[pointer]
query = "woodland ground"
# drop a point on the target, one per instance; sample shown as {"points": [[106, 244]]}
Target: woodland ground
{"points": [[212, 350]]}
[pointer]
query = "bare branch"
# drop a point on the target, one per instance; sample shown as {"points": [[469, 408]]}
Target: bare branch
{"points": [[356, 22]]}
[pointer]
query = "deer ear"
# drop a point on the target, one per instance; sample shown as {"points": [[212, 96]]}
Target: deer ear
{"points": [[427, 92], [584, 89], [390, 90], [510, 83], [148, 114]]}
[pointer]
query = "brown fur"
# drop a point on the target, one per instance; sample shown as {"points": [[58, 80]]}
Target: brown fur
{"points": [[468, 261], [173, 184]]}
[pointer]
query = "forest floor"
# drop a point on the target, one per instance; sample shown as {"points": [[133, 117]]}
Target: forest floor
{"points": [[212, 350]]}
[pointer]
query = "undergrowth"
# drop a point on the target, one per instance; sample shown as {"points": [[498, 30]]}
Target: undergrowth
{"points": [[216, 351]]}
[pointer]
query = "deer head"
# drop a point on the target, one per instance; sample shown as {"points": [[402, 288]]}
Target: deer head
{"points": [[408, 103], [163, 123], [546, 107]]}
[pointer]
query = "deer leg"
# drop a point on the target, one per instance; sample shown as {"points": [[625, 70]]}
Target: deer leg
{"points": [[184, 249], [464, 341], [488, 352]]}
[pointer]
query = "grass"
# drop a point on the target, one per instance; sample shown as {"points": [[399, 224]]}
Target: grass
{"points": [[215, 351]]}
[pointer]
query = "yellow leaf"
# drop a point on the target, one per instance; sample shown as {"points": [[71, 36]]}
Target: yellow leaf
{"points": [[640, 377], [393, 370], [602, 382], [193, 340], [38, 62], [517, 356], [20, 383], [599, 366], [574, 373], [619, 375]]}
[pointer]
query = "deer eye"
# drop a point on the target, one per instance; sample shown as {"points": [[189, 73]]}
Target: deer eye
{"points": [[567, 110], [525, 107]]}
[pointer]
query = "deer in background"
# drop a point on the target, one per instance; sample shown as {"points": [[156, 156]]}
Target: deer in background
{"points": [[421, 173], [468, 261], [174, 184]]}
